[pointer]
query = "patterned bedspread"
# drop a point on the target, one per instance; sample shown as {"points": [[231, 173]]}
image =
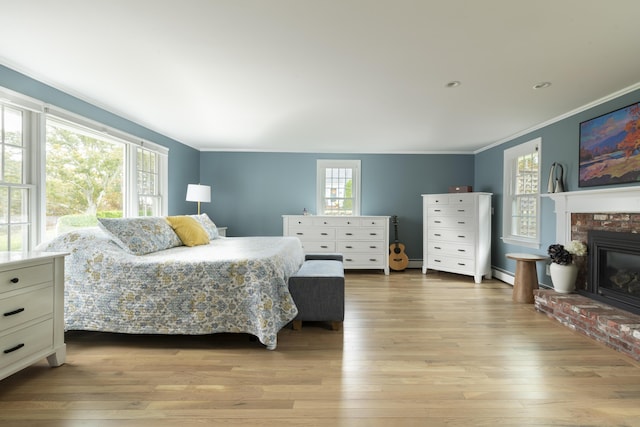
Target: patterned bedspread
{"points": [[235, 284]]}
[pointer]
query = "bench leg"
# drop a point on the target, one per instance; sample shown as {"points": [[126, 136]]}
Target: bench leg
{"points": [[336, 326], [297, 325]]}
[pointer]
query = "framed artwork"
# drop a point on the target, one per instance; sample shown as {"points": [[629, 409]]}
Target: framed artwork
{"points": [[610, 148]]}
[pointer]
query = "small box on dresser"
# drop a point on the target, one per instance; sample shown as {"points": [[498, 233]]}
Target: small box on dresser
{"points": [[32, 307], [362, 240], [457, 233]]}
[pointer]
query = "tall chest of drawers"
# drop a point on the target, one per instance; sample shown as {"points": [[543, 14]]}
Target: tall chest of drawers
{"points": [[363, 240], [457, 233], [31, 310]]}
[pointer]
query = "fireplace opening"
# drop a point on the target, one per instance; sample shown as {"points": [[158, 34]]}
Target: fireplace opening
{"points": [[614, 269]]}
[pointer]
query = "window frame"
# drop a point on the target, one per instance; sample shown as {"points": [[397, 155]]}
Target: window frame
{"points": [[321, 166], [35, 113], [29, 134], [511, 156], [131, 146]]}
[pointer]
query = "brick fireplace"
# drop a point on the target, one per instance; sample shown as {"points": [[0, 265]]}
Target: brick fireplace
{"points": [[577, 213]]}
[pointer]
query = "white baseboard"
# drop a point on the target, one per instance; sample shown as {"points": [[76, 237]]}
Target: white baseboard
{"points": [[503, 276]]}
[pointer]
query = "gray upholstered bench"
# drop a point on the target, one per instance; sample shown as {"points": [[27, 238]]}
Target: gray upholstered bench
{"points": [[318, 290]]}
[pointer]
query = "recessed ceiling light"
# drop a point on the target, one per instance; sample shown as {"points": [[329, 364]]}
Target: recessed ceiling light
{"points": [[542, 85], [453, 83]]}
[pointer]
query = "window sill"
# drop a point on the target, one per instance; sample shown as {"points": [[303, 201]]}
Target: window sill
{"points": [[520, 242]]}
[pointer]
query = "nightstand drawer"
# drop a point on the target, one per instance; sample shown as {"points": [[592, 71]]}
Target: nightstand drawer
{"points": [[27, 306], [25, 342], [22, 277]]}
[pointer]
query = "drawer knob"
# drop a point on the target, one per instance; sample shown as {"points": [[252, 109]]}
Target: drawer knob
{"points": [[437, 234], [11, 313], [437, 247], [324, 234], [462, 250], [462, 237], [324, 247], [461, 222], [300, 234], [12, 349], [348, 259], [349, 234], [372, 247], [372, 259], [349, 247], [15, 280], [373, 234]]}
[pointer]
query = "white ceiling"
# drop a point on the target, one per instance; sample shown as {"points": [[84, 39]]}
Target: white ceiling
{"points": [[329, 75]]}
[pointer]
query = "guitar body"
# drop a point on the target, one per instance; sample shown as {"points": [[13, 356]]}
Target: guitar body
{"points": [[398, 260]]}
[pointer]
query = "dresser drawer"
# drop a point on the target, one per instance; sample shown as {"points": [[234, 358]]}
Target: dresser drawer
{"points": [[313, 233], [360, 246], [451, 263], [336, 222], [27, 306], [363, 260], [451, 235], [25, 342], [459, 223], [27, 276], [374, 222], [437, 200], [305, 221], [459, 211], [460, 250], [312, 246], [361, 233]]}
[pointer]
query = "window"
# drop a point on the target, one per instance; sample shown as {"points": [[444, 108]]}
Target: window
{"points": [[55, 164], [338, 190], [16, 204], [149, 198], [91, 174], [521, 223]]}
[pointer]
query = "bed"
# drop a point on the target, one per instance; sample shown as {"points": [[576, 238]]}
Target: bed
{"points": [[232, 284]]}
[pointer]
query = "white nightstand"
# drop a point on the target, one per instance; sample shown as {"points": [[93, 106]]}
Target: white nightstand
{"points": [[222, 231], [32, 299]]}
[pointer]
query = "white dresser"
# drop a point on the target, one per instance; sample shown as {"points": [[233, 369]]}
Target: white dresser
{"points": [[31, 310], [362, 240], [457, 233]]}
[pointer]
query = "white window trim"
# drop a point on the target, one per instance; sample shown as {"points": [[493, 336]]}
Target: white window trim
{"points": [[35, 159], [323, 164], [510, 155]]}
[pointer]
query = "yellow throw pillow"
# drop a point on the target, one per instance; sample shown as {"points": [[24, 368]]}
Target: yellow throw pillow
{"points": [[189, 230]]}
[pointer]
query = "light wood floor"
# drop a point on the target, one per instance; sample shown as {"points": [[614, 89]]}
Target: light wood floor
{"points": [[416, 350]]}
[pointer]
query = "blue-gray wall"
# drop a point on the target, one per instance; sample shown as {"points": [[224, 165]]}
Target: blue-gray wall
{"points": [[184, 161], [559, 144], [251, 191]]}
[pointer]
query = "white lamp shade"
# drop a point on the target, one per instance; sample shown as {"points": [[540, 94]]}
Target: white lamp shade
{"points": [[198, 193]]}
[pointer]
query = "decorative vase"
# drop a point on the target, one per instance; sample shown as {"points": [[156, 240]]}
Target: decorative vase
{"points": [[563, 277]]}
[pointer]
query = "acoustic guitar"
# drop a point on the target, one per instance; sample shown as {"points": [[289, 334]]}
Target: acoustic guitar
{"points": [[398, 260]]}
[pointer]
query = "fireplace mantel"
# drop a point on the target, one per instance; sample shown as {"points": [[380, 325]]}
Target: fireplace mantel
{"points": [[612, 200]]}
